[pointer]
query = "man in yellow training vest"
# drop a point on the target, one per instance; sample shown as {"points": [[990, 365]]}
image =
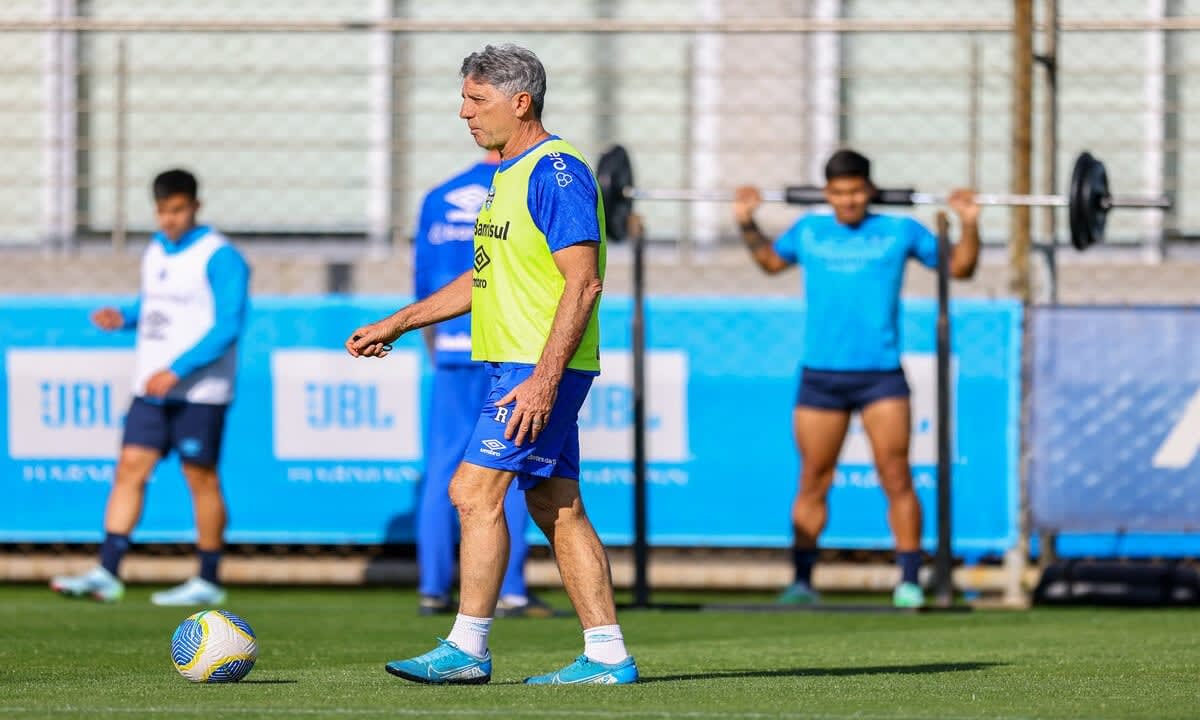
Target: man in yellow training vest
{"points": [[532, 295]]}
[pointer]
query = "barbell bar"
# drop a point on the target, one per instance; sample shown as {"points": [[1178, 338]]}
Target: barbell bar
{"points": [[1088, 199]]}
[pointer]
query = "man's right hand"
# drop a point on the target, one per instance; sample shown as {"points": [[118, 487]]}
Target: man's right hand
{"points": [[108, 318], [746, 200], [374, 340]]}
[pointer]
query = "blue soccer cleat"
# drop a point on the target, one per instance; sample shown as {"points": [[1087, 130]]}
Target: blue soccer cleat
{"points": [[96, 583], [589, 672], [444, 665], [196, 591], [798, 593]]}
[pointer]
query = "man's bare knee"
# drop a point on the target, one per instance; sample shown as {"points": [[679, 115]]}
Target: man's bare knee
{"points": [[134, 466], [550, 504], [895, 477], [473, 496], [815, 484], [201, 478]]}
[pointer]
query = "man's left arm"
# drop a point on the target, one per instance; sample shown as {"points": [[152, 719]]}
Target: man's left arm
{"points": [[229, 277], [580, 268]]}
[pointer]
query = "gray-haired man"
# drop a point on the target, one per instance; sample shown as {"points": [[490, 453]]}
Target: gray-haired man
{"points": [[532, 294]]}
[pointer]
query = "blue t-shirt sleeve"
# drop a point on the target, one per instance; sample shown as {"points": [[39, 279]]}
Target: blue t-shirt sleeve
{"points": [[422, 260], [788, 245], [923, 244], [562, 201], [229, 277], [130, 313]]}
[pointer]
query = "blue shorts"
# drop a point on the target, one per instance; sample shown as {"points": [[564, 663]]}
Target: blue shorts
{"points": [[555, 453], [849, 390], [191, 429]]}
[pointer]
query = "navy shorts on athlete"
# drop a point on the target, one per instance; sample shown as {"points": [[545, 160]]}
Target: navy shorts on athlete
{"points": [[555, 453], [849, 390], [193, 430]]}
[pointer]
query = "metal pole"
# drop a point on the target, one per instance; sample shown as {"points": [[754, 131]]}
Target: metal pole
{"points": [[1154, 93], [944, 559], [1049, 62], [120, 142], [641, 583], [1022, 147], [380, 56], [973, 90]]}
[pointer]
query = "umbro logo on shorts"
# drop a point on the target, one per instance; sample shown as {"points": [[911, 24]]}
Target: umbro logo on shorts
{"points": [[492, 447]]}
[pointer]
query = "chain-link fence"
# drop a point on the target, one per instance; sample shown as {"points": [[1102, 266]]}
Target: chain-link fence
{"points": [[327, 120]]}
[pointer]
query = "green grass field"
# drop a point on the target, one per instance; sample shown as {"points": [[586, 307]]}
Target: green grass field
{"points": [[322, 655]]}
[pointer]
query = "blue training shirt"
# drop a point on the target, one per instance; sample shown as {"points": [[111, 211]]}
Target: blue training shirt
{"points": [[444, 249], [562, 198], [852, 281]]}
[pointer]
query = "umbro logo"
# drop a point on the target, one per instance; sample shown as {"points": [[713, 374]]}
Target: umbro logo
{"points": [[466, 201], [481, 259], [492, 447]]}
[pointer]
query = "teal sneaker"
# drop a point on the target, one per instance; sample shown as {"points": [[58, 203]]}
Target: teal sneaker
{"points": [[196, 591], [588, 672], [444, 665], [96, 583], [908, 595], [798, 593]]}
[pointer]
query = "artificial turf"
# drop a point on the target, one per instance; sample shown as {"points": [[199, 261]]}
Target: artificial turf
{"points": [[322, 653]]}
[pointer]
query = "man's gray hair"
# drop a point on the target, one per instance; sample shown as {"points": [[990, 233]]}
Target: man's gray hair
{"points": [[511, 69]]}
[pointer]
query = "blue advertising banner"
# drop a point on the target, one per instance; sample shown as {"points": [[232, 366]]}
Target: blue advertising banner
{"points": [[1115, 428], [322, 448]]}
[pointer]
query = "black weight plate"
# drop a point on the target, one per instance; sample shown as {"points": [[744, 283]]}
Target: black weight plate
{"points": [[1087, 201], [614, 171]]}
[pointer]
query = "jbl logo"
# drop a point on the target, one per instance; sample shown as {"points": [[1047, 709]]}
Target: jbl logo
{"points": [[345, 405]]}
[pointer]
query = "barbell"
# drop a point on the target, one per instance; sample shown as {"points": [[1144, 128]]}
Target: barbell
{"points": [[1088, 199]]}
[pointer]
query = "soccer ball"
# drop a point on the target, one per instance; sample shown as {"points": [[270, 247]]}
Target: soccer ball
{"points": [[214, 646]]}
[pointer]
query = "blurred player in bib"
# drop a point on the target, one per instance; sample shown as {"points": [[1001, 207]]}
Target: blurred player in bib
{"points": [[443, 250], [533, 291], [854, 262], [188, 316]]}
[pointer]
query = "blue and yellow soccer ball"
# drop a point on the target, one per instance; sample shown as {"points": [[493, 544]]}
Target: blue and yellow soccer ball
{"points": [[214, 646]]}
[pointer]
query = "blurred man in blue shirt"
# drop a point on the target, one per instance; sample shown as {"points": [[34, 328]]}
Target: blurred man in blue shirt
{"points": [[854, 264], [444, 250]]}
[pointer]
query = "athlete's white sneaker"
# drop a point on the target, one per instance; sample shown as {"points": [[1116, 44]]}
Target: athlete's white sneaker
{"points": [[96, 583], [196, 591]]}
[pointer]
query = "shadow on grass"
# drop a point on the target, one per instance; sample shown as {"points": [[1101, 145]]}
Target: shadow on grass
{"points": [[268, 682], [928, 668]]}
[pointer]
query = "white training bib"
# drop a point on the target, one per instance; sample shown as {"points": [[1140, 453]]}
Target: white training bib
{"points": [[177, 310]]}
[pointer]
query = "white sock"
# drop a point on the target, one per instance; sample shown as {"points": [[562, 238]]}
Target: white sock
{"points": [[470, 634], [604, 644]]}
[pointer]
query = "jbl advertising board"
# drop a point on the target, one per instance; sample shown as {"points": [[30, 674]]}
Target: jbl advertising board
{"points": [[323, 448]]}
